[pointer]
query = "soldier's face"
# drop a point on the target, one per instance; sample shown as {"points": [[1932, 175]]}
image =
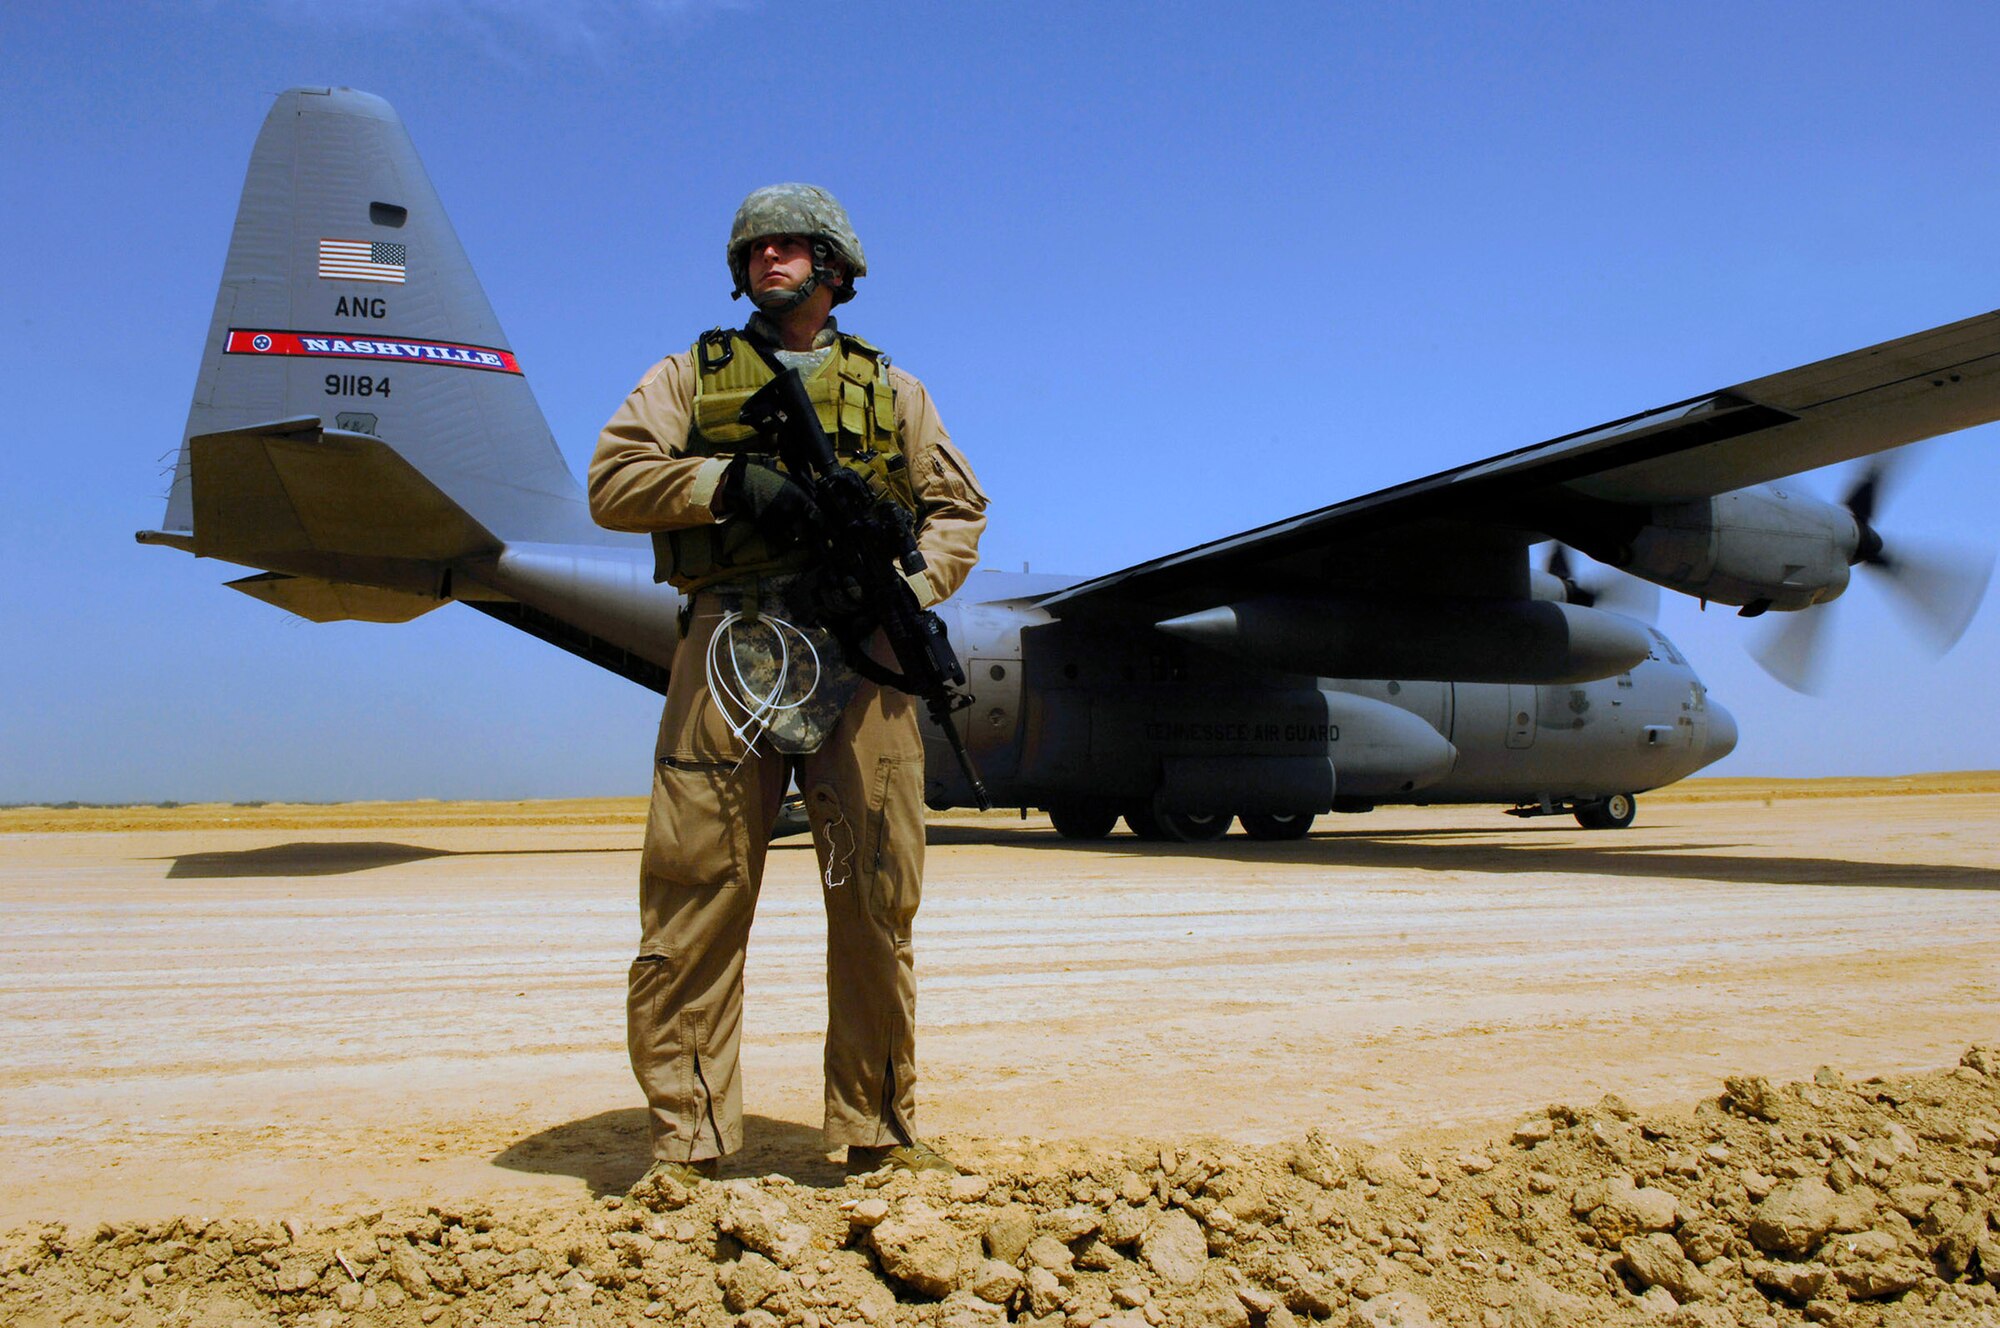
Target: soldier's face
{"points": [[779, 262], [783, 262]]}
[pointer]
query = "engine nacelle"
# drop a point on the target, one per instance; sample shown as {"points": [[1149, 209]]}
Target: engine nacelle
{"points": [[1380, 750], [1767, 546]]}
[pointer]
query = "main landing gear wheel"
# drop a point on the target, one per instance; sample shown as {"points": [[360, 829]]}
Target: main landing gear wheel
{"points": [[1612, 813], [1082, 820], [1274, 826], [1195, 827], [1142, 822]]}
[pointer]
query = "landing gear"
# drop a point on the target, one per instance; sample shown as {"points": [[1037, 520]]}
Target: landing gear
{"points": [[1083, 820], [1610, 813], [1272, 826], [1195, 827], [1151, 824], [1142, 822], [791, 817]]}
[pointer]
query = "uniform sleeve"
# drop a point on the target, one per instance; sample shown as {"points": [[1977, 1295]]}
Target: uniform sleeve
{"points": [[641, 478], [951, 506]]}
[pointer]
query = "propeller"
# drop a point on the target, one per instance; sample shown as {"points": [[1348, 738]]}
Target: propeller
{"points": [[1611, 590], [1935, 587], [1791, 648]]}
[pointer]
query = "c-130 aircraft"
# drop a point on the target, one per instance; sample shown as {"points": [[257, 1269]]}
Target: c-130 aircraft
{"points": [[362, 433]]}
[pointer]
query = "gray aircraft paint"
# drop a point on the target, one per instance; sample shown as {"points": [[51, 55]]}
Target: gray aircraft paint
{"points": [[361, 504], [327, 164]]}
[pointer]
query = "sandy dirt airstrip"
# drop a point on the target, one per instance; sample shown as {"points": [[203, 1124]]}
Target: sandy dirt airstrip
{"points": [[304, 1010]]}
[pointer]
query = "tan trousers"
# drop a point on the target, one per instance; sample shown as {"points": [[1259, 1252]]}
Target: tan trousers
{"points": [[706, 834]]}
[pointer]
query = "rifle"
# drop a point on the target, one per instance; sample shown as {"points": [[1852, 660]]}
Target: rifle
{"points": [[863, 541]]}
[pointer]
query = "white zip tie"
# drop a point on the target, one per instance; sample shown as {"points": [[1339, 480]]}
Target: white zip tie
{"points": [[754, 713]]}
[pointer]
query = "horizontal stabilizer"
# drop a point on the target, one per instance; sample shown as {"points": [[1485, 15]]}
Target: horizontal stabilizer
{"points": [[298, 497], [319, 600]]}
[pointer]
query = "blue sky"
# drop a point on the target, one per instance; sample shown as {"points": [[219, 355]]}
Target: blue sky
{"points": [[1170, 272]]}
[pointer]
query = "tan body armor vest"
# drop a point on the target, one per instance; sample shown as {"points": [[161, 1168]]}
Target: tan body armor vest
{"points": [[857, 407]]}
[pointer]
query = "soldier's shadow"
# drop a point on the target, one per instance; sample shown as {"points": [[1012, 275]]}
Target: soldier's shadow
{"points": [[610, 1150]]}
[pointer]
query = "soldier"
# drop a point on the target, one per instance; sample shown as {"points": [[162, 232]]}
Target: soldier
{"points": [[726, 523]]}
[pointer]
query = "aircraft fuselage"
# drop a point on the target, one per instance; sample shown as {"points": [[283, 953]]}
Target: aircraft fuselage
{"points": [[1119, 715]]}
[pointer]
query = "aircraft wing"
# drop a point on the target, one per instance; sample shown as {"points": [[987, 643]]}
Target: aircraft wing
{"points": [[1459, 532]]}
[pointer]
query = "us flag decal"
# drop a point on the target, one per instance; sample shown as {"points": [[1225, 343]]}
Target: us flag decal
{"points": [[362, 260]]}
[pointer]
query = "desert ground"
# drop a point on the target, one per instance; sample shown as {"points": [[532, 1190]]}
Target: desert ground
{"points": [[328, 1013]]}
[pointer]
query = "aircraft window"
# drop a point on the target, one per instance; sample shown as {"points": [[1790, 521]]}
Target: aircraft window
{"points": [[387, 214]]}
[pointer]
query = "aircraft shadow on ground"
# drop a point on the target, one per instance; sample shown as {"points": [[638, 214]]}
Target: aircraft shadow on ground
{"points": [[610, 1150], [1522, 849], [321, 858]]}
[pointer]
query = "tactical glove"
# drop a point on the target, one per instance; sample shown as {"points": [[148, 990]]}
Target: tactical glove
{"points": [[778, 505], [833, 598]]}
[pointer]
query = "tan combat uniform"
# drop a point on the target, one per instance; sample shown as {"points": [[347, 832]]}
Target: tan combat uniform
{"points": [[711, 812]]}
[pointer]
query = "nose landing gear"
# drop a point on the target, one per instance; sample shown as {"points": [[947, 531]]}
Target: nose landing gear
{"points": [[1613, 811], [1609, 813]]}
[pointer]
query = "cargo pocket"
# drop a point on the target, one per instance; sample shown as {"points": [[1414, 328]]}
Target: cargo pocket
{"points": [[951, 468], [892, 851], [698, 825]]}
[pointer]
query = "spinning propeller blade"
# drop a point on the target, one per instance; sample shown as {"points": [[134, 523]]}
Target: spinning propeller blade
{"points": [[1934, 587], [1607, 589], [1791, 648]]}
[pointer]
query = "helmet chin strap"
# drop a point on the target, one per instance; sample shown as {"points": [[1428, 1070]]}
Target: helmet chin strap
{"points": [[784, 301]]}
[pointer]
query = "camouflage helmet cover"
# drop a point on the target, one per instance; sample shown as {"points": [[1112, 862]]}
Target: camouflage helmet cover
{"points": [[794, 209]]}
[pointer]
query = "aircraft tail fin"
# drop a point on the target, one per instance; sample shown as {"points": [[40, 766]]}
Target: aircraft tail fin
{"points": [[349, 315]]}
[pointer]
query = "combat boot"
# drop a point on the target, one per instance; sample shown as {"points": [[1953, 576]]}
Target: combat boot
{"points": [[914, 1156], [666, 1184]]}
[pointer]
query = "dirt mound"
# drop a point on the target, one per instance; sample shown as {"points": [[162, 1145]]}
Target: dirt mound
{"points": [[1849, 1204]]}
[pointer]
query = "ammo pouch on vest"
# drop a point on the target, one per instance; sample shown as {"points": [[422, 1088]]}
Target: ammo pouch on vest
{"points": [[856, 404]]}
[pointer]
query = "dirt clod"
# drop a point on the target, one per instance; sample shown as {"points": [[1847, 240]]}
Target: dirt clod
{"points": [[1174, 1248], [922, 1251], [1794, 1219]]}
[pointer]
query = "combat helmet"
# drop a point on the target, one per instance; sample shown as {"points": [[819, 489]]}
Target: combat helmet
{"points": [[796, 209]]}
